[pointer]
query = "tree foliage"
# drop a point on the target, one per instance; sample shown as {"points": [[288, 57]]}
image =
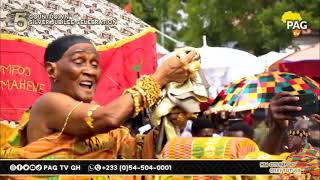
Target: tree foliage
{"points": [[254, 24]]}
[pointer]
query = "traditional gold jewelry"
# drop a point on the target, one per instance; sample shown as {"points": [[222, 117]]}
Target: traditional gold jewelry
{"points": [[143, 94], [89, 120], [135, 95], [68, 116], [299, 132], [151, 88]]}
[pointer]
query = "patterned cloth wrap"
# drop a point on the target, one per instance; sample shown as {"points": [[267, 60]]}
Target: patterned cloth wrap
{"points": [[6, 132], [207, 148], [239, 148], [308, 160], [116, 144]]}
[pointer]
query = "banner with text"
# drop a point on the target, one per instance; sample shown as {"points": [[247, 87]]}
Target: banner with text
{"points": [[23, 77]]}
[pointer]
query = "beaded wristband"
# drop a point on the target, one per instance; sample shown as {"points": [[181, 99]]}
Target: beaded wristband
{"points": [[89, 120]]}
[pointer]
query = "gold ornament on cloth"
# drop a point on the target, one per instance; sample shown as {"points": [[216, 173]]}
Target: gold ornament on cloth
{"points": [[89, 120], [193, 68]]}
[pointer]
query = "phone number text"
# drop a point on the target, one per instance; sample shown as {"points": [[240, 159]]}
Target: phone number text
{"points": [[132, 168]]}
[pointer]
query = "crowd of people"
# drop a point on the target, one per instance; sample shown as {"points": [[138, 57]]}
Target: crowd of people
{"points": [[66, 123]]}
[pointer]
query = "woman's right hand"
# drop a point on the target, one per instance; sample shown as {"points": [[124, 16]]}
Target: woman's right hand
{"points": [[174, 69]]}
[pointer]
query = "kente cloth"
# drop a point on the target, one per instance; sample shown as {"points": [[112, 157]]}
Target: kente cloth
{"points": [[6, 132], [308, 160], [217, 148], [115, 144], [208, 148]]}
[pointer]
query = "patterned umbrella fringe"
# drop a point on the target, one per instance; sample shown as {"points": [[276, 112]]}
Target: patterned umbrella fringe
{"points": [[228, 108]]}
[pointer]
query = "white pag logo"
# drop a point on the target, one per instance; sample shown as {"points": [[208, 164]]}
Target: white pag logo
{"points": [[294, 22]]}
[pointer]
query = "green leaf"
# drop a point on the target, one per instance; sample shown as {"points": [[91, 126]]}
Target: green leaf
{"points": [[136, 68]]}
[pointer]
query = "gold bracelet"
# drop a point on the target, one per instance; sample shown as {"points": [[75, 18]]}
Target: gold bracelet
{"points": [[135, 95], [143, 94], [89, 120], [151, 88]]}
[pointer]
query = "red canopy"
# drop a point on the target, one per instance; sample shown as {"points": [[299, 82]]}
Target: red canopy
{"points": [[305, 62]]}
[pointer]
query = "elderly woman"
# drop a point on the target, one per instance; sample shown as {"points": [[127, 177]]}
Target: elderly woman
{"points": [[64, 123]]}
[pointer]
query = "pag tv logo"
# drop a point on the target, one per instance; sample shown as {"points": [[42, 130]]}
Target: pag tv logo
{"points": [[294, 22]]}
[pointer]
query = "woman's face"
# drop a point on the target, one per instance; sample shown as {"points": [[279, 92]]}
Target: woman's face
{"points": [[78, 72]]}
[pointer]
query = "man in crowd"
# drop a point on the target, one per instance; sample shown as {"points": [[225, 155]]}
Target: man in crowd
{"points": [[202, 127], [278, 120], [240, 129]]}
